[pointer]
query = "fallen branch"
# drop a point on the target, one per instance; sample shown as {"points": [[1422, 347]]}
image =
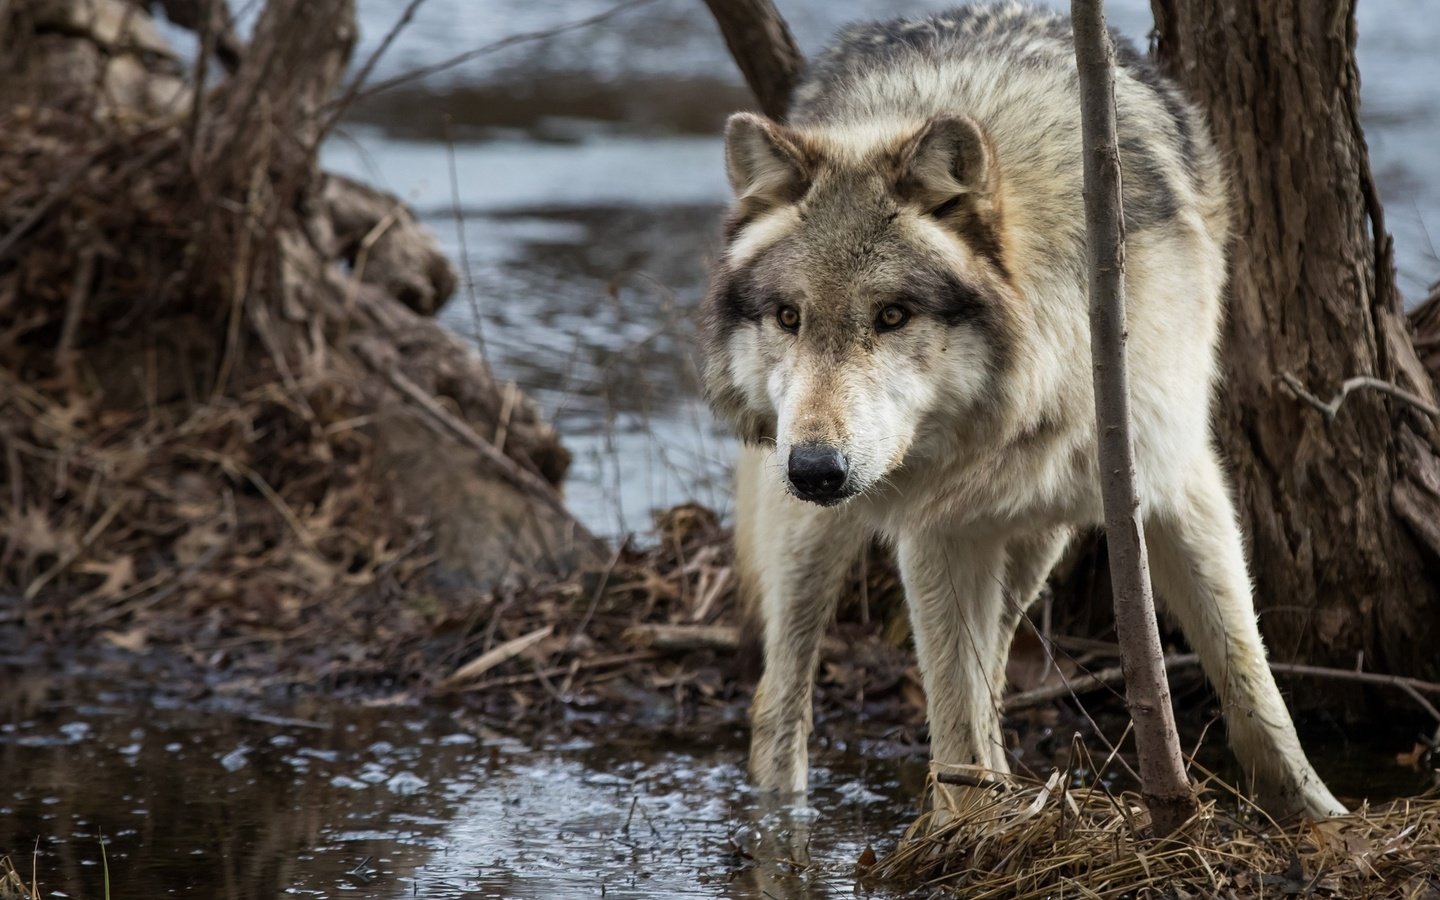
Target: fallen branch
{"points": [[965, 779], [1110, 677], [598, 662], [503, 653], [1329, 410], [529, 482], [1412, 686], [724, 638], [1114, 676], [684, 638]]}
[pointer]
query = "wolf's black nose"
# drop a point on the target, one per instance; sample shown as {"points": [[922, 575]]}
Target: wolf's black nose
{"points": [[817, 473]]}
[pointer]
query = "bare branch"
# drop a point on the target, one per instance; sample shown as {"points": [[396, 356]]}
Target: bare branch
{"points": [[358, 82], [1165, 787], [212, 23], [763, 48], [1113, 676], [1329, 410], [1084, 684], [492, 47], [968, 780]]}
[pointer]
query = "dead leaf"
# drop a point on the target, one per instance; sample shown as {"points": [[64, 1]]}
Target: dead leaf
{"points": [[1413, 759], [133, 640], [119, 574], [867, 858], [35, 535]]}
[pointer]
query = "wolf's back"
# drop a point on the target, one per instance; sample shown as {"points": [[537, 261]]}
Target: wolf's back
{"points": [[1011, 67]]}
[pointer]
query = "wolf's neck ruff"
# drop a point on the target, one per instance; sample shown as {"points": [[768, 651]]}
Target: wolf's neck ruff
{"points": [[897, 329]]}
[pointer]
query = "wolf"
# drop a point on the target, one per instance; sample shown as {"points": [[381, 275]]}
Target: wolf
{"points": [[897, 329]]}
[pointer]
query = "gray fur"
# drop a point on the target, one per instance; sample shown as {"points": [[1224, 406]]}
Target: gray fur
{"points": [[935, 165], [1027, 40]]}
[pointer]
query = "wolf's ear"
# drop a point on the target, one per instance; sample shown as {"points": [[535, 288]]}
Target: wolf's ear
{"points": [[765, 162], [948, 159]]}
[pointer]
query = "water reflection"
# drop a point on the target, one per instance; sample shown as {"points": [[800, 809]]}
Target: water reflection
{"points": [[330, 800]]}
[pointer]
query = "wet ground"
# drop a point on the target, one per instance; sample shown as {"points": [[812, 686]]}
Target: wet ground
{"points": [[201, 798], [314, 797]]}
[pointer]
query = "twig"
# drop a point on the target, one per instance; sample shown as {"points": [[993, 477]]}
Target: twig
{"points": [[724, 638], [506, 651], [68, 559], [599, 662], [467, 56], [362, 259], [463, 244], [1115, 675], [507, 409], [59, 192], [1084, 684], [1329, 410], [206, 35], [74, 312], [965, 779], [684, 638], [508, 469], [358, 82], [1165, 787], [597, 594], [180, 581], [1376, 678]]}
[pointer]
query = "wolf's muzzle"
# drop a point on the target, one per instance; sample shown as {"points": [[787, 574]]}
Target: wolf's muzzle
{"points": [[818, 473]]}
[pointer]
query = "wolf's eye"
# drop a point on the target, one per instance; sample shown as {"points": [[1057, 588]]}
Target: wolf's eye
{"points": [[789, 318], [891, 318]]}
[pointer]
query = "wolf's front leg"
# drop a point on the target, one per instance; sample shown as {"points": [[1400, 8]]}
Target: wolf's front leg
{"points": [[955, 593], [1199, 568], [793, 557]]}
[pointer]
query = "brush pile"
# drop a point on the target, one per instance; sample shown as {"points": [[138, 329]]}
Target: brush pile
{"points": [[223, 407], [229, 426]]}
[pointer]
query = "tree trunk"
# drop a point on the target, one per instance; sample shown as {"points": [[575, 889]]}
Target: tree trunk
{"points": [[763, 48], [1341, 514]]}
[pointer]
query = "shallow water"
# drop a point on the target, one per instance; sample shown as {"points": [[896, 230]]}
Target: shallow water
{"points": [[588, 183], [316, 798], [198, 799]]}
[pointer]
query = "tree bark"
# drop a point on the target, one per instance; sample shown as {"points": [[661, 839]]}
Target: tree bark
{"points": [[1167, 791], [1341, 514], [763, 48]]}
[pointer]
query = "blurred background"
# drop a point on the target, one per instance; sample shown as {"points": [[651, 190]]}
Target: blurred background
{"points": [[577, 182]]}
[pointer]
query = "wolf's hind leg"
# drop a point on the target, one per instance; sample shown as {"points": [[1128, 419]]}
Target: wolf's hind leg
{"points": [[1198, 564], [1029, 561], [793, 557]]}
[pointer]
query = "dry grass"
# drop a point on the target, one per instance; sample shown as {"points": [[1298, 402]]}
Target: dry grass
{"points": [[12, 885], [1032, 840]]}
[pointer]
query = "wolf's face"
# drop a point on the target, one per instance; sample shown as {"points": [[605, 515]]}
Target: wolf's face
{"points": [[862, 291]]}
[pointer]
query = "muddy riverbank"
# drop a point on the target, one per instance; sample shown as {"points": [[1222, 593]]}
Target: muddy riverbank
{"points": [[306, 794]]}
